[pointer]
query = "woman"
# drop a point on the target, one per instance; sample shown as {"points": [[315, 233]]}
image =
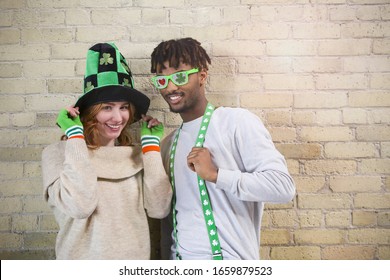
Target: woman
{"points": [[100, 187]]}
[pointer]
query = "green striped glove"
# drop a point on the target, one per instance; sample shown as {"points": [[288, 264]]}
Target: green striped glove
{"points": [[72, 127], [150, 137]]}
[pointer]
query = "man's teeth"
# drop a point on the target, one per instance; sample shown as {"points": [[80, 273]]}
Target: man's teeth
{"points": [[174, 97]]}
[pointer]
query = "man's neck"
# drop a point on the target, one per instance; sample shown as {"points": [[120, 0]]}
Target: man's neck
{"points": [[196, 112]]}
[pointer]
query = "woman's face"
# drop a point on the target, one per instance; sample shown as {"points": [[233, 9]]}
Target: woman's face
{"points": [[112, 119]]}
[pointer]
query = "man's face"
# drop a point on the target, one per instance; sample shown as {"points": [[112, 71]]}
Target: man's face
{"points": [[181, 98]]}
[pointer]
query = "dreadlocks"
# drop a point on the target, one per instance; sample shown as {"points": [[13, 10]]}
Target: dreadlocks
{"points": [[185, 50]]}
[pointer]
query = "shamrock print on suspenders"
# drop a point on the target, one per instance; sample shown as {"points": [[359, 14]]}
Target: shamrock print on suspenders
{"points": [[206, 205]]}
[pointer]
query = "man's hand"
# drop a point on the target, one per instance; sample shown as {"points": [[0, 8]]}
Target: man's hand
{"points": [[199, 161]]}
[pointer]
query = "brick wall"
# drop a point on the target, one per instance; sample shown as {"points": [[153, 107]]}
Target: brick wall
{"points": [[317, 72]]}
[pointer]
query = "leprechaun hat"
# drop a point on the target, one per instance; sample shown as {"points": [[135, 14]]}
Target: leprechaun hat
{"points": [[108, 79]]}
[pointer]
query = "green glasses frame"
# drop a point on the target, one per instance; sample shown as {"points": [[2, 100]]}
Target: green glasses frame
{"points": [[178, 78]]}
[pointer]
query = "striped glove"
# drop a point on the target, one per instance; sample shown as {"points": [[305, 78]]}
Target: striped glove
{"points": [[150, 137], [72, 127]]}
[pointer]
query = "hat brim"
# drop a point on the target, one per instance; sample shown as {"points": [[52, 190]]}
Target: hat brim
{"points": [[115, 93]]}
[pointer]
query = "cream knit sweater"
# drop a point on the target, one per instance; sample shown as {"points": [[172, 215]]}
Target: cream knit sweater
{"points": [[101, 199]]}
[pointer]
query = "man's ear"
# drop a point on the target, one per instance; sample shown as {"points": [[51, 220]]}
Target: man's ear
{"points": [[203, 77]]}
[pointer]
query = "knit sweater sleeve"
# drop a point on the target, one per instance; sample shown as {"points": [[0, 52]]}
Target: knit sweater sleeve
{"points": [[157, 188], [70, 183], [264, 176]]}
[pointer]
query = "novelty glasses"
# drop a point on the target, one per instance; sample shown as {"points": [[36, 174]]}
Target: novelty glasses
{"points": [[178, 78]]}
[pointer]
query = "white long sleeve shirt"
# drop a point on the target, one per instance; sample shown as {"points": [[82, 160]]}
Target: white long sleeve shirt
{"points": [[250, 172]]}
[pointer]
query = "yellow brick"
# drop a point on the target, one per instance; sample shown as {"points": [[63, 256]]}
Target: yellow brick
{"points": [[46, 119], [379, 116], [283, 218], [350, 150], [273, 237], [355, 116], [348, 253], [280, 134], [77, 16], [316, 30], [380, 81], [264, 31], [11, 103], [44, 136], [368, 13], [266, 100], [296, 253], [309, 184], [122, 17], [355, 183], [245, 83], [317, 65], [303, 117], [55, 35], [290, 82], [324, 201], [373, 133], [340, 219], [10, 36], [384, 219], [49, 69], [5, 223], [9, 171], [10, 240], [319, 236], [328, 117], [48, 222], [9, 70], [278, 118], [331, 167], [374, 166], [364, 218], [369, 236], [27, 86], [369, 99], [25, 223], [381, 46], [241, 48], [310, 219], [344, 47], [36, 204], [28, 52], [372, 200], [49, 103], [23, 119], [384, 252], [39, 240], [32, 169], [320, 100], [338, 133], [101, 33], [365, 29], [20, 154], [70, 51], [291, 47], [20, 187], [342, 81], [10, 205], [300, 151], [52, 18], [293, 166]]}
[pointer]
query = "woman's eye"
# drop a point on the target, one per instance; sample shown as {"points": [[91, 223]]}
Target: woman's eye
{"points": [[125, 107], [106, 108]]}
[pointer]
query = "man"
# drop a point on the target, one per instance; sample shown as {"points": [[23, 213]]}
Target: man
{"points": [[222, 162]]}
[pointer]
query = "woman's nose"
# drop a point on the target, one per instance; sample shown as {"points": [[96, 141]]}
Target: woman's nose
{"points": [[116, 115]]}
